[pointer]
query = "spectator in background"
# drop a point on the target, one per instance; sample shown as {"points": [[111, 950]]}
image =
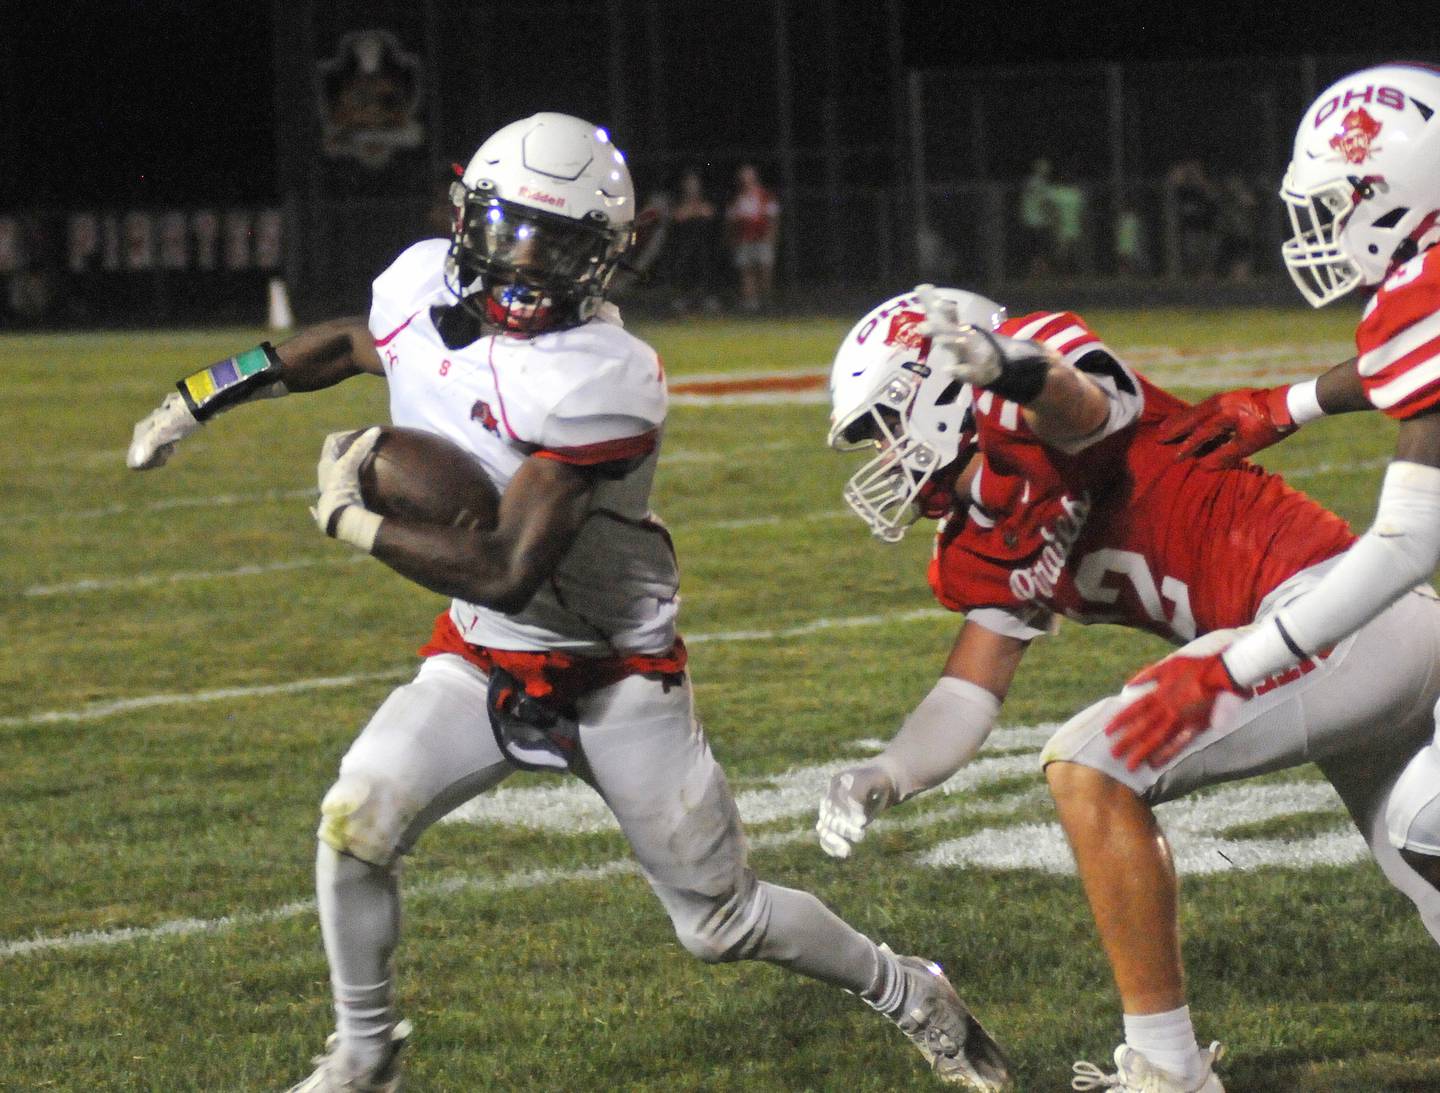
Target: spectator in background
{"points": [[1236, 228], [1131, 244], [1037, 219], [1195, 201], [692, 243], [753, 219], [1067, 205]]}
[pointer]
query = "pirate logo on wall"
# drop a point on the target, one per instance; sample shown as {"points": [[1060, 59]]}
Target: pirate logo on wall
{"points": [[369, 93]]}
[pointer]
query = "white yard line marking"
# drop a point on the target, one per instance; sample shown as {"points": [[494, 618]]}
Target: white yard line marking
{"points": [[86, 585], [100, 710], [1335, 468], [146, 580], [678, 456], [221, 500], [511, 882], [1197, 826]]}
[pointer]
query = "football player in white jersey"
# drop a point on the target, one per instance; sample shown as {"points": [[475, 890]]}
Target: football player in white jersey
{"points": [[559, 648]]}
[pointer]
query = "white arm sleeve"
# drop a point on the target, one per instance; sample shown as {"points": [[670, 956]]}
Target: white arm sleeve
{"points": [[940, 736], [1397, 553]]}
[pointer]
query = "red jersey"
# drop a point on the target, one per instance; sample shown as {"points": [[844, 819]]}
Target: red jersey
{"points": [[1121, 531], [753, 215], [1399, 339]]}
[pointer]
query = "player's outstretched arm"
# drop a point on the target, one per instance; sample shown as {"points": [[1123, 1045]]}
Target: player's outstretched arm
{"points": [[319, 356], [940, 736], [1233, 425], [1401, 549], [1061, 404], [502, 567]]}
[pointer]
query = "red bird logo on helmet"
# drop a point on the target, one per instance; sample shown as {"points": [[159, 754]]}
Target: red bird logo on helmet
{"points": [[905, 330], [1357, 134]]}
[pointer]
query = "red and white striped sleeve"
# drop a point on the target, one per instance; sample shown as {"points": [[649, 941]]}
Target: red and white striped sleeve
{"points": [[1081, 348], [1063, 331], [1399, 340]]}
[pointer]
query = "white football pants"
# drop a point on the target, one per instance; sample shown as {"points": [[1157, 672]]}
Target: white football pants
{"points": [[1363, 715], [429, 748]]}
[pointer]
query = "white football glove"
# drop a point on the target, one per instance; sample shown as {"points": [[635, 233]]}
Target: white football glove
{"points": [[157, 433], [340, 510], [961, 350], [855, 798]]}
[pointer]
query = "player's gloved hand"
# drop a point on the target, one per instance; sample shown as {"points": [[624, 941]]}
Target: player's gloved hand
{"points": [[1228, 427], [1189, 695], [340, 510], [854, 799], [961, 350], [157, 433]]}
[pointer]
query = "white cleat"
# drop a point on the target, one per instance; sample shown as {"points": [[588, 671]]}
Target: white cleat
{"points": [[955, 1045], [1137, 1074], [329, 1077]]}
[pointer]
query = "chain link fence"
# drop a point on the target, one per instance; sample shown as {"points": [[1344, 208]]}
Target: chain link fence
{"points": [[1127, 177]]}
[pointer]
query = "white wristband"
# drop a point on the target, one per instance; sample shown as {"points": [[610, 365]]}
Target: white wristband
{"points": [[1303, 401], [358, 527], [1259, 654]]}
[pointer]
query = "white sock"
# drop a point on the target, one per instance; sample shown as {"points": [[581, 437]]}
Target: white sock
{"points": [[887, 992], [360, 922], [1168, 1041]]}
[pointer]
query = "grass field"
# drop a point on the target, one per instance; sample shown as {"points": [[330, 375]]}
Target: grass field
{"points": [[186, 659]]}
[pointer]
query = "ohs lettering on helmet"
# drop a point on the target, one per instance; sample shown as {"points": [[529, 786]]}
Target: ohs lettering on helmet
{"points": [[1392, 97]]}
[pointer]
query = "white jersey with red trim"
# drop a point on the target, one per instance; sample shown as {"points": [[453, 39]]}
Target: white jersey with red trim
{"points": [[587, 395], [1398, 340]]}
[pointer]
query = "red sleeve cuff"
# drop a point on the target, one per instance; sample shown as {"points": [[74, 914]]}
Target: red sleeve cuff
{"points": [[606, 451]]}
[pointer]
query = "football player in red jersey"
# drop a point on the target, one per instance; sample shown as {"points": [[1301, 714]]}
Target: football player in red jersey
{"points": [[1045, 456], [1363, 190]]}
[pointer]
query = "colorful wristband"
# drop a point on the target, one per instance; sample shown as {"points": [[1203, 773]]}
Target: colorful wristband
{"points": [[230, 381]]}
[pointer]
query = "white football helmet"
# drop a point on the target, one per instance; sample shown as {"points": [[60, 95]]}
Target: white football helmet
{"points": [[884, 395], [543, 215], [1363, 185]]}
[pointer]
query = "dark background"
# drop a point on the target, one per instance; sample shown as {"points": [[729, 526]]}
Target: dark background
{"points": [[150, 104]]}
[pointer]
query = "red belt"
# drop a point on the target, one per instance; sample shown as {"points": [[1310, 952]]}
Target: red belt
{"points": [[548, 673]]}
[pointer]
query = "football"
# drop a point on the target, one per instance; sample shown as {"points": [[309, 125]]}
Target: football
{"points": [[417, 475]]}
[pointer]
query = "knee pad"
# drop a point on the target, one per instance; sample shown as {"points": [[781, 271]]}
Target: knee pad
{"points": [[358, 818], [726, 930], [1412, 815]]}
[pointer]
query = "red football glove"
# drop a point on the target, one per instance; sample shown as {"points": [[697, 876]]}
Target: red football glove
{"points": [[1159, 724], [1227, 427]]}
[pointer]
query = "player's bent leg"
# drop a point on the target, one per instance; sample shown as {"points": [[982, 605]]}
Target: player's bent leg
{"points": [[648, 758], [1367, 785], [1129, 879], [425, 750], [1412, 817], [650, 761]]}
